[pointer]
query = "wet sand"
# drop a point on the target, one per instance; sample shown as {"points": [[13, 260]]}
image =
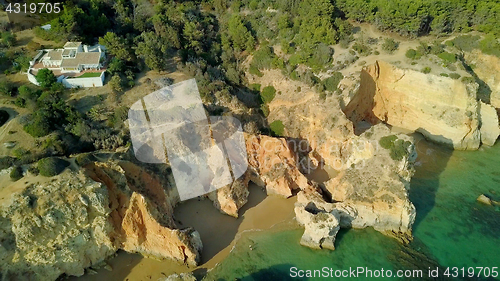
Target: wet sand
{"points": [[218, 232]]}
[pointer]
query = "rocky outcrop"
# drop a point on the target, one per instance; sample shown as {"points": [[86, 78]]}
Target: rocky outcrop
{"points": [[490, 129], [273, 163], [377, 188], [320, 223], [56, 227], [373, 192], [442, 109], [142, 213], [76, 220], [231, 198]]}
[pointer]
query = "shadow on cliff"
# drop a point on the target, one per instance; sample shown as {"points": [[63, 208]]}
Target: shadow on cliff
{"points": [[431, 162], [360, 109], [484, 91]]}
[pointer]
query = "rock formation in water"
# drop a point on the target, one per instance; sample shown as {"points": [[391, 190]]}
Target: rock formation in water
{"points": [[442, 109], [371, 193]]}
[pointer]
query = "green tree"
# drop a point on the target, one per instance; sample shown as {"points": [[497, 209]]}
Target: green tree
{"points": [[152, 50], [45, 78], [6, 88], [116, 83], [8, 39], [240, 36], [117, 46]]}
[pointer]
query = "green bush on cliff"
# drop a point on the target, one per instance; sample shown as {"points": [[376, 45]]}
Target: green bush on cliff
{"points": [[277, 127], [16, 173], [268, 94], [398, 147], [51, 166], [448, 57], [330, 84], [426, 70]]}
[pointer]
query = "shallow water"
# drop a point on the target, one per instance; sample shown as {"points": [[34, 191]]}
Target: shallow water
{"points": [[451, 228]]}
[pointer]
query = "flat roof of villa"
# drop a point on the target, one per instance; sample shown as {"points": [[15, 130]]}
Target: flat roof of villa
{"points": [[81, 58], [72, 44], [53, 55]]}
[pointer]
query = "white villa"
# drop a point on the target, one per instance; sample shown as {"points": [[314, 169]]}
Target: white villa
{"points": [[69, 63]]}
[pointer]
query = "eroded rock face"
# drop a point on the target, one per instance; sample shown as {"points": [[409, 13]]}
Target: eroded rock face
{"points": [[377, 191], [56, 227], [141, 212], [272, 163], [442, 109], [373, 192], [487, 68], [231, 198], [490, 130]]}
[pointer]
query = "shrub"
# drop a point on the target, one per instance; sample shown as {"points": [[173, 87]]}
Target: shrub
{"points": [[388, 141], [489, 45], [390, 45], [20, 102], [467, 80], [51, 166], [444, 74], [268, 94], [412, 54], [277, 127], [398, 147], [263, 58], [16, 173], [20, 152], [6, 88], [116, 83], [437, 48], [255, 71], [448, 57], [426, 70], [454, 75], [255, 87], [466, 42], [38, 128], [361, 49], [4, 116], [331, 83], [6, 162]]}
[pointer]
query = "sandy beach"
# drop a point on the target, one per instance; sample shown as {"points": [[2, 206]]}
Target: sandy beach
{"points": [[218, 232]]}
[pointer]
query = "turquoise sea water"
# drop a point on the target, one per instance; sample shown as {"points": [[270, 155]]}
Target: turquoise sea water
{"points": [[451, 228]]}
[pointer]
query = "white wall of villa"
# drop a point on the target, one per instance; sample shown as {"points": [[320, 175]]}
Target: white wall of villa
{"points": [[86, 82]]}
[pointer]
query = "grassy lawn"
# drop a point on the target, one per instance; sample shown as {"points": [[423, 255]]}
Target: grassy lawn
{"points": [[89, 74]]}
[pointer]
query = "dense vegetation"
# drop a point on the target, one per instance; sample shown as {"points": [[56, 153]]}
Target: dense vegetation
{"points": [[213, 39], [419, 17]]}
